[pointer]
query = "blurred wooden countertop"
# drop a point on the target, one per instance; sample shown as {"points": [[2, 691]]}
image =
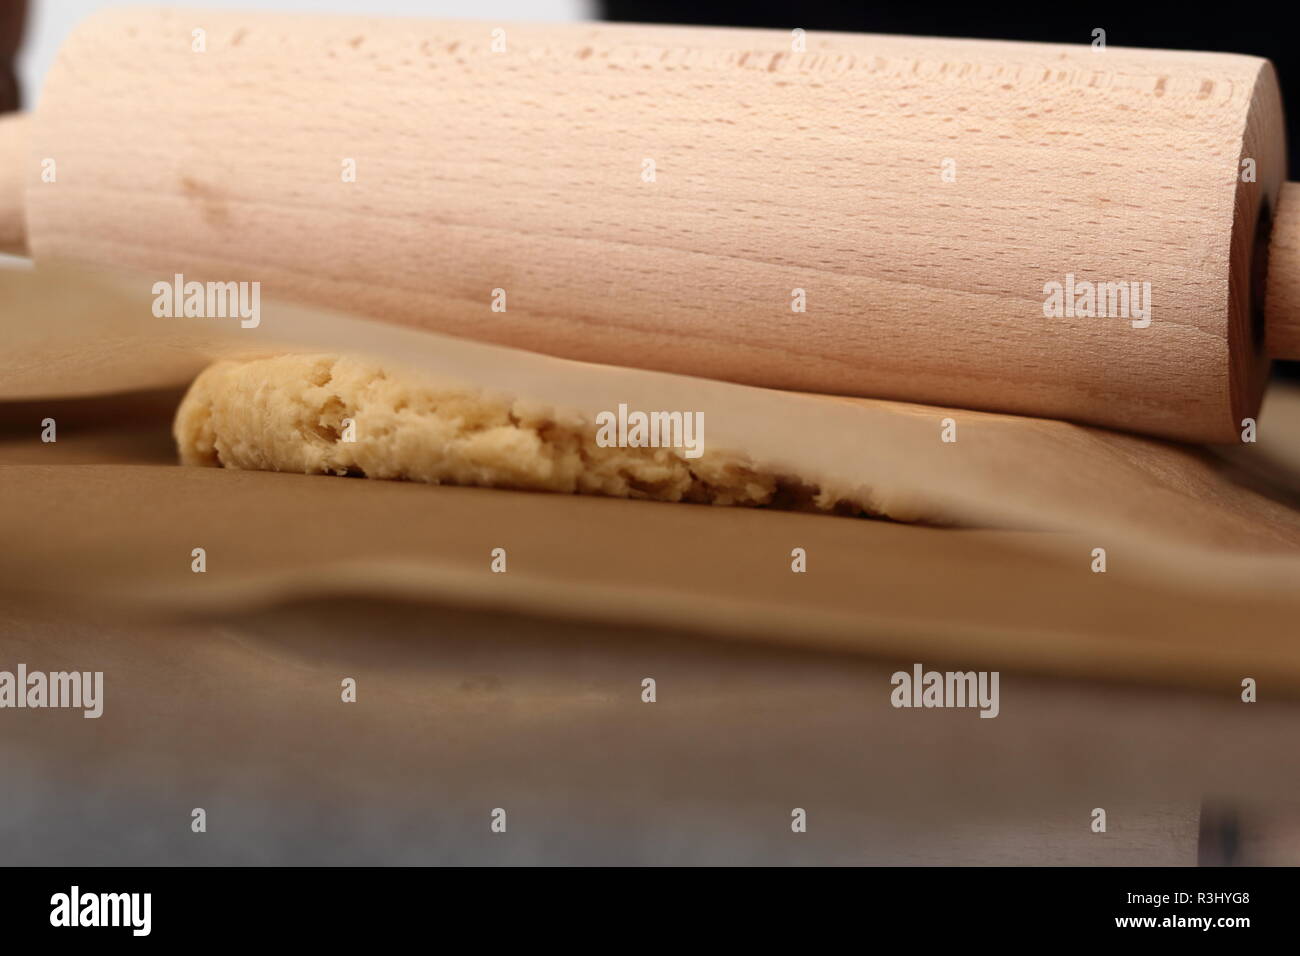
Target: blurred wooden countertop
{"points": [[461, 711]]}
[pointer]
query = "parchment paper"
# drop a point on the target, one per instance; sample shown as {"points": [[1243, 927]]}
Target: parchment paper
{"points": [[1201, 565]]}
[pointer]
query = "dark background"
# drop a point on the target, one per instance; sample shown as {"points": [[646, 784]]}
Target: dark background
{"points": [[1252, 28]]}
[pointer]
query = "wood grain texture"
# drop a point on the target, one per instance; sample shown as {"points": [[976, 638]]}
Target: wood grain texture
{"points": [[775, 170]]}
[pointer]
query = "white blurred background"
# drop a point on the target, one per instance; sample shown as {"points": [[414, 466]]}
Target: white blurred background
{"points": [[49, 21]]}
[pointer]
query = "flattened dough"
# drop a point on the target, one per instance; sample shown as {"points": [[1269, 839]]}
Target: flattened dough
{"points": [[482, 415], [288, 413]]}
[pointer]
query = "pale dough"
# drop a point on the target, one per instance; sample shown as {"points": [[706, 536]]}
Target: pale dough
{"points": [[287, 413]]}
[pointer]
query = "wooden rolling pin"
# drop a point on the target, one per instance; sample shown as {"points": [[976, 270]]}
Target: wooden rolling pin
{"points": [[670, 197]]}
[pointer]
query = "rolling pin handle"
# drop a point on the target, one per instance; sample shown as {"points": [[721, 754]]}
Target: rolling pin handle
{"points": [[13, 183], [1282, 298]]}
